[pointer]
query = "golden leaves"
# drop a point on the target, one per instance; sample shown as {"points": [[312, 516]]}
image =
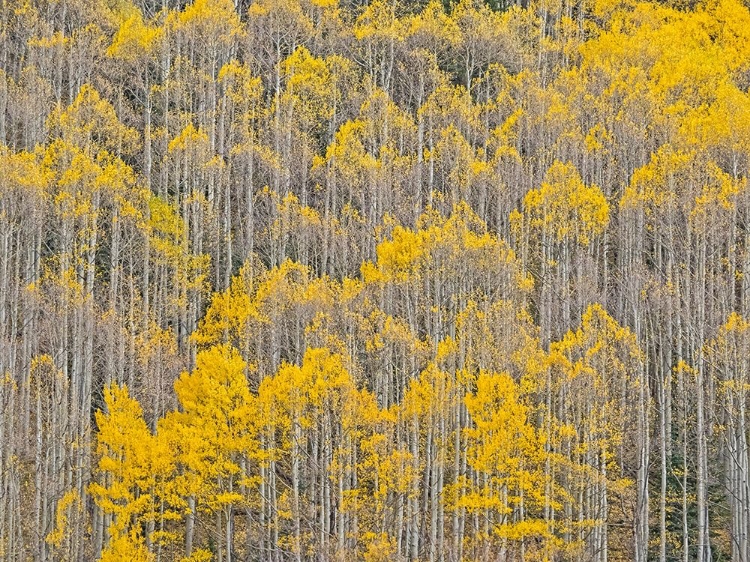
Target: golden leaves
{"points": [[378, 21], [135, 40], [566, 207], [91, 124], [71, 499]]}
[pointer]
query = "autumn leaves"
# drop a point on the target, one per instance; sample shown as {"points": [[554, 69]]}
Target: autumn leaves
{"points": [[351, 417], [381, 250]]}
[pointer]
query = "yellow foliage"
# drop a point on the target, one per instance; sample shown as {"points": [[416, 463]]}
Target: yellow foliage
{"points": [[321, 381], [226, 319], [379, 547], [69, 500], [316, 397], [198, 555], [725, 354], [243, 88], [596, 363], [348, 154], [215, 21], [91, 124], [189, 138], [214, 430], [378, 21], [503, 439], [129, 462], [24, 173], [135, 40], [309, 85], [126, 548], [439, 246], [399, 256], [715, 205], [654, 185], [169, 240], [567, 207]]}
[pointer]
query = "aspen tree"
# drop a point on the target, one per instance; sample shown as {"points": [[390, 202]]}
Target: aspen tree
{"points": [[211, 435], [124, 447], [369, 232]]}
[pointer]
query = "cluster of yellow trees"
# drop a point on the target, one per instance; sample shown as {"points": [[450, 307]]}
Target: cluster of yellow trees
{"points": [[373, 418], [397, 280]]}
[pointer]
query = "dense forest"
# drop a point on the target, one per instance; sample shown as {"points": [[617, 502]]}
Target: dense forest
{"points": [[338, 280]]}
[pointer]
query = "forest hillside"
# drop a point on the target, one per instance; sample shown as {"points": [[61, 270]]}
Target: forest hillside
{"points": [[386, 281]]}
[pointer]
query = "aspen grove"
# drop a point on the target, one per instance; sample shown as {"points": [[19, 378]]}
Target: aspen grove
{"points": [[374, 280]]}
